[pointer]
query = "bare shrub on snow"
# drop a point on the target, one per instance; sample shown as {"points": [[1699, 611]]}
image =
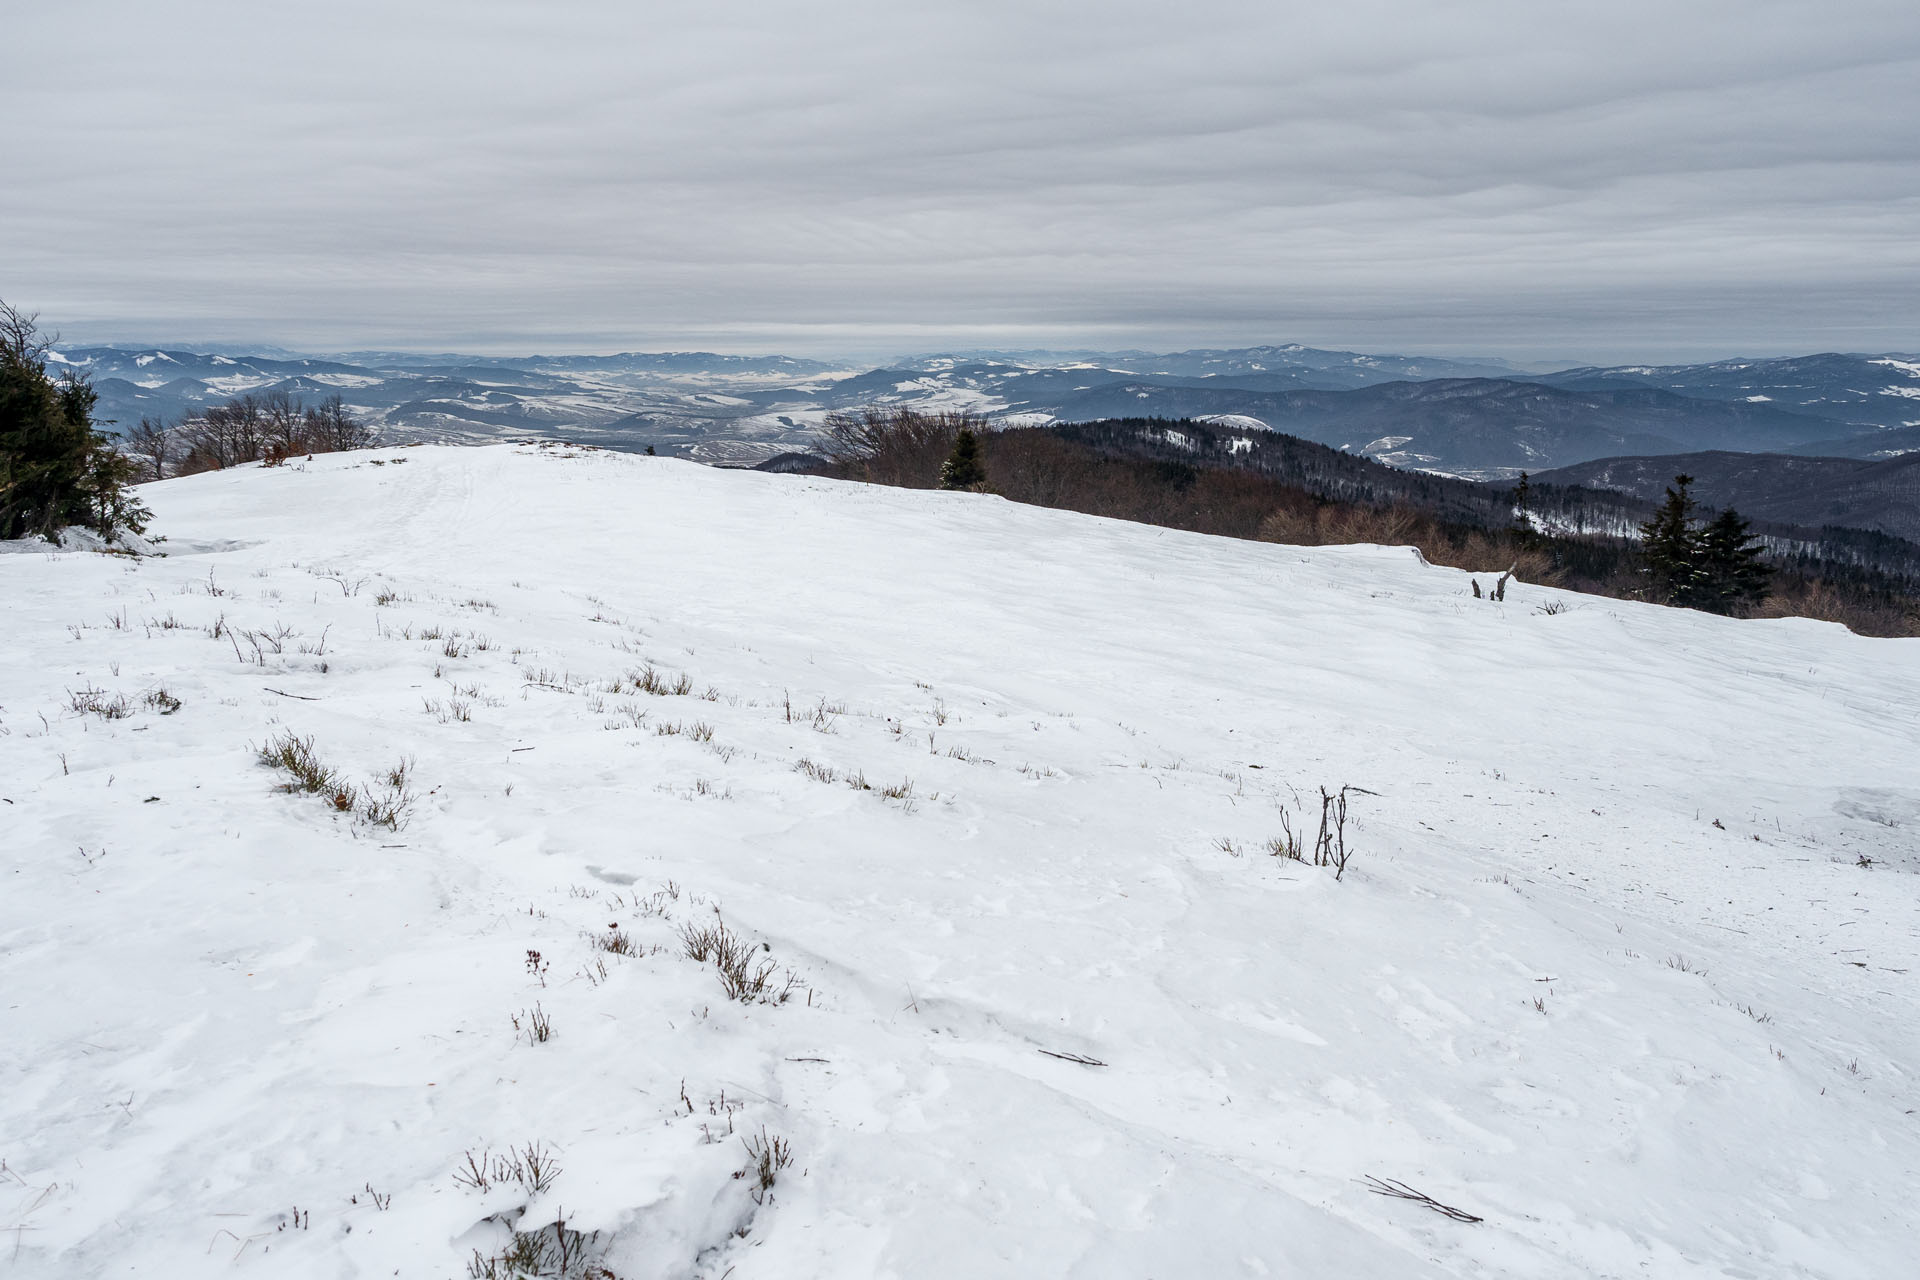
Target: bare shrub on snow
{"points": [[98, 702], [744, 974], [535, 1024], [554, 1251], [387, 802], [295, 756], [649, 680], [532, 1167], [1330, 847], [767, 1157]]}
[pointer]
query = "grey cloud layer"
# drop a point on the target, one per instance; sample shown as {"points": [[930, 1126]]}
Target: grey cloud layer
{"points": [[1630, 180]]}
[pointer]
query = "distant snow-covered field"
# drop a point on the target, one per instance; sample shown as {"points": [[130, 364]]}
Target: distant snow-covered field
{"points": [[1625, 962]]}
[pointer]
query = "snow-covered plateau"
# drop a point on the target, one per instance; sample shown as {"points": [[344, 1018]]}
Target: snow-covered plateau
{"points": [[1624, 962]]}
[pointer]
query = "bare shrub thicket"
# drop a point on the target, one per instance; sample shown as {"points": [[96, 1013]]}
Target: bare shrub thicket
{"points": [[266, 428], [895, 446]]}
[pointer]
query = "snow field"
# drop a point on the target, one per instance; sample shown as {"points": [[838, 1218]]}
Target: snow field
{"points": [[1606, 969]]}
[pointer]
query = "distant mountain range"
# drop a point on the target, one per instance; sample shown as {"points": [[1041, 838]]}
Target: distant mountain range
{"points": [[1474, 418], [1469, 426], [1860, 391], [1466, 419], [683, 402], [1851, 493]]}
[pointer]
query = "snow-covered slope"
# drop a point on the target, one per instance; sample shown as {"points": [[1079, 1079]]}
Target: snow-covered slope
{"points": [[1605, 970]]}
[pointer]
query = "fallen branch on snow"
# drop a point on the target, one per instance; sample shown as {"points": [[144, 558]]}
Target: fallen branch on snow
{"points": [[1401, 1191], [1074, 1057]]}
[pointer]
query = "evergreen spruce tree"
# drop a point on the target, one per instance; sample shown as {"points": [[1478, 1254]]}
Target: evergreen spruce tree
{"points": [[1732, 574], [55, 469], [962, 469], [1670, 547]]}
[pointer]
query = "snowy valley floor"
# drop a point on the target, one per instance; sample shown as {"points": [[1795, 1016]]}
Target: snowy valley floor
{"points": [[1625, 962]]}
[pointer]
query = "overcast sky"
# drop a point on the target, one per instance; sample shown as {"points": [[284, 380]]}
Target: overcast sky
{"points": [[1541, 180]]}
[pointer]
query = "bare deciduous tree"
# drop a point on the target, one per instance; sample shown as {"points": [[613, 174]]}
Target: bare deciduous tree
{"points": [[20, 338], [282, 423], [331, 429], [152, 442]]}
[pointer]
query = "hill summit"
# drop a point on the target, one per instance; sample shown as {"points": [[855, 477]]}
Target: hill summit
{"points": [[535, 860]]}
